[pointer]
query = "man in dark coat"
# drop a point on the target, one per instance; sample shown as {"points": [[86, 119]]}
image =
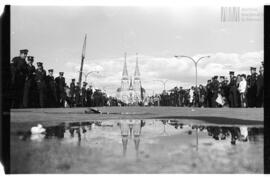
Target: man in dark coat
{"points": [[233, 100], [214, 88], [29, 85], [208, 93], [252, 88], [72, 92], [51, 90], [260, 88], [18, 77], [77, 95], [41, 84], [60, 89], [83, 98], [89, 96]]}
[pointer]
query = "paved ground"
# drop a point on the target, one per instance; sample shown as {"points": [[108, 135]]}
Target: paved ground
{"points": [[23, 118]]}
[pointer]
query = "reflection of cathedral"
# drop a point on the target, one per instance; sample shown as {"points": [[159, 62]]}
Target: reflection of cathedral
{"points": [[130, 91]]}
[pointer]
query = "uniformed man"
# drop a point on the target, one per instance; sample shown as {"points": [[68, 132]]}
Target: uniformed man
{"points": [[223, 88], [60, 89], [214, 89], [208, 93], [181, 96], [18, 78], [72, 92], [29, 85], [233, 100], [83, 98], [89, 96], [260, 88], [41, 84], [252, 88], [51, 90], [77, 94]]}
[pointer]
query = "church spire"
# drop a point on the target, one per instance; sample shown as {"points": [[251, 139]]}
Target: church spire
{"points": [[125, 72], [137, 71]]}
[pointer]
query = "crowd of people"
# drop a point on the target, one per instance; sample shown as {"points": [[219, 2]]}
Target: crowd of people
{"points": [[33, 87], [239, 91]]}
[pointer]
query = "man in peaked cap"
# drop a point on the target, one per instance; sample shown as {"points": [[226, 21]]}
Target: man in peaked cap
{"points": [[252, 88], [89, 96], [208, 93], [260, 88], [77, 94], [60, 89], [233, 100], [41, 84], [72, 92], [83, 98], [223, 87], [51, 89], [18, 77], [29, 85], [214, 88]]}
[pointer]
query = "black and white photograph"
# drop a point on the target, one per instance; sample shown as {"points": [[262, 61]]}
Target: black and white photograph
{"points": [[136, 89]]}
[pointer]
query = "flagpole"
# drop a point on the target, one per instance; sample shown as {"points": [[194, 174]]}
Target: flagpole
{"points": [[82, 61]]}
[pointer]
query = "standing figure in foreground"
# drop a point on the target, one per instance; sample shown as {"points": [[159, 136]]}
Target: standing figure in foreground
{"points": [[51, 90], [260, 88], [18, 78], [252, 88], [29, 85], [41, 84], [60, 89]]}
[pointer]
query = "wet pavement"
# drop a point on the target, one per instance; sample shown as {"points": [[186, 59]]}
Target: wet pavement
{"points": [[138, 146]]}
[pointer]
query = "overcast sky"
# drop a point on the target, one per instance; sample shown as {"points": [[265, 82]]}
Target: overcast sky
{"points": [[54, 35]]}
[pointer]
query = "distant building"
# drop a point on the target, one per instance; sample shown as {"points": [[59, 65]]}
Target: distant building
{"points": [[130, 91]]}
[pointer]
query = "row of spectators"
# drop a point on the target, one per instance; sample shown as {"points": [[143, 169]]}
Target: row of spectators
{"points": [[239, 91], [33, 87]]}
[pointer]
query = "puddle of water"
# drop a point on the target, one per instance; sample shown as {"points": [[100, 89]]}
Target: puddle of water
{"points": [[138, 146]]}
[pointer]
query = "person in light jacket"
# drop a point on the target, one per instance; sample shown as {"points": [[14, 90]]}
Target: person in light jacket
{"points": [[242, 90]]}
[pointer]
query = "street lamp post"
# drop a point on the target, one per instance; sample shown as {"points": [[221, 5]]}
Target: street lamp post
{"points": [[87, 74], [164, 83], [195, 63]]}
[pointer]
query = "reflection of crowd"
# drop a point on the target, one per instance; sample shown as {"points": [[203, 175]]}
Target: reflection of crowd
{"points": [[241, 133], [239, 91], [33, 87]]}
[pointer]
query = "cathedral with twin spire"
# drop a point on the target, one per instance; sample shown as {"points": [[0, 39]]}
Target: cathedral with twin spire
{"points": [[130, 91]]}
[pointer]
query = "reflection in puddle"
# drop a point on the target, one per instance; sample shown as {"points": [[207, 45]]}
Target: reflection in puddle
{"points": [[158, 145]]}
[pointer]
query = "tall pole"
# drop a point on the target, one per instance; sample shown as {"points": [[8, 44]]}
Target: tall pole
{"points": [[82, 61], [164, 83], [196, 65]]}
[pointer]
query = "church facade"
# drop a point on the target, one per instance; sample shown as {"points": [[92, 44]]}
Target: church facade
{"points": [[130, 91]]}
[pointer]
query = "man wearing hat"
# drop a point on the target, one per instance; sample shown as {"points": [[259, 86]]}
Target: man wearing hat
{"points": [[223, 88], [77, 95], [233, 100], [252, 88], [41, 84], [83, 98], [18, 77], [51, 90], [60, 89], [72, 92], [214, 88], [29, 85], [89, 96], [208, 93], [260, 87]]}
